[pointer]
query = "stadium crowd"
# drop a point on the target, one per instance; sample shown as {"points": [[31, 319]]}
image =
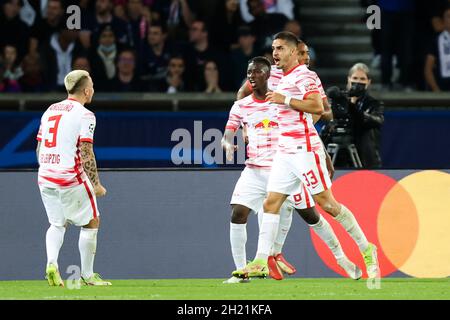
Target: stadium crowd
{"points": [[185, 45]]}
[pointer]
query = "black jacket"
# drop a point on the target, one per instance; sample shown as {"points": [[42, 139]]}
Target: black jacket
{"points": [[367, 114]]}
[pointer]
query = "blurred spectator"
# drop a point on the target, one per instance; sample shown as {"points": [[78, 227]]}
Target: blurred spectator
{"points": [[211, 74], [30, 11], [177, 15], [226, 21], [11, 70], [198, 52], [397, 19], [32, 80], [138, 21], [103, 58], [175, 79], [81, 63], [13, 31], [285, 7], [126, 79], [437, 65], [241, 55], [267, 52], [56, 57], [93, 22], [437, 7], [265, 25], [295, 27], [206, 10], [156, 55], [43, 29]]}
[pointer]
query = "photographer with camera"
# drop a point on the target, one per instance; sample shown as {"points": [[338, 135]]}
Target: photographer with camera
{"points": [[358, 118]]}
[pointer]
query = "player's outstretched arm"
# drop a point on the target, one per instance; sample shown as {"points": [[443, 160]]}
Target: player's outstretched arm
{"points": [[90, 167]]}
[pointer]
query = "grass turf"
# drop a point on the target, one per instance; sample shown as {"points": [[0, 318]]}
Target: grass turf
{"points": [[213, 289]]}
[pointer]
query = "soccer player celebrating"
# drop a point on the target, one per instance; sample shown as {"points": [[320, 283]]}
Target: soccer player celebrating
{"points": [[260, 117], [300, 157], [250, 190], [68, 178]]}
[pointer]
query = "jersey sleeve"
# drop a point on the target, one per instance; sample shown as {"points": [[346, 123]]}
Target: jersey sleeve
{"points": [[307, 86], [321, 89], [87, 127], [235, 119]]}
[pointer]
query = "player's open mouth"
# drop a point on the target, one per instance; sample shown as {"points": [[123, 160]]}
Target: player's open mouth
{"points": [[252, 83], [277, 61]]}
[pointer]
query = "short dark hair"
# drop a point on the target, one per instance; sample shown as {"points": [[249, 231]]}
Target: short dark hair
{"points": [[288, 37], [159, 24], [205, 25], [262, 60]]}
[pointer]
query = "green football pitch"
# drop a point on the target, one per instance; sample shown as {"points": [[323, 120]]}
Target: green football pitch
{"points": [[213, 289]]}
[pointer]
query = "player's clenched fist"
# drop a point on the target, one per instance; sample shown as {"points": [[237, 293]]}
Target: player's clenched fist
{"points": [[99, 190]]}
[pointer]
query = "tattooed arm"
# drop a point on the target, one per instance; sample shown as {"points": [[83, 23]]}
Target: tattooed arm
{"points": [[90, 167]]}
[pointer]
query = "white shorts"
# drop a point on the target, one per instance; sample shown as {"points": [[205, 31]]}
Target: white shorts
{"points": [[251, 190], [289, 169], [75, 205]]}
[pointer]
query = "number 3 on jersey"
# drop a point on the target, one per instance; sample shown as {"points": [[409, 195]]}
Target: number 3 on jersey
{"points": [[53, 131], [310, 178]]}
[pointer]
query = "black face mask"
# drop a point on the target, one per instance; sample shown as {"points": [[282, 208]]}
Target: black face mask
{"points": [[357, 89]]}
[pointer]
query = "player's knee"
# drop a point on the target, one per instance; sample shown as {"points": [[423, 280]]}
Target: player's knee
{"points": [[272, 205], [239, 214], [328, 205]]}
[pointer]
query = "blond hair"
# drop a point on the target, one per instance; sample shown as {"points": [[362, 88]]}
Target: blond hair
{"points": [[75, 80], [359, 66]]}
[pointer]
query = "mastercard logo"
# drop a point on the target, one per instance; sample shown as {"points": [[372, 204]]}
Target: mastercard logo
{"points": [[408, 220]]}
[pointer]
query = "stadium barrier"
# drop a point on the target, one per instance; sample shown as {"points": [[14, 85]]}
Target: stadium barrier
{"points": [[175, 223], [410, 139]]}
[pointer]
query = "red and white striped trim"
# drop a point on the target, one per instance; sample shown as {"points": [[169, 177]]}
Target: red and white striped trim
{"points": [[91, 199], [319, 167]]}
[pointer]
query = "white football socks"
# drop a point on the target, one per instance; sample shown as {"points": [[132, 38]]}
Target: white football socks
{"points": [[267, 234], [87, 245], [348, 221], [238, 240], [326, 233], [53, 241], [283, 229]]}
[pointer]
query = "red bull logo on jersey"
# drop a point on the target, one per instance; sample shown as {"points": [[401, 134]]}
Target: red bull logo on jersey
{"points": [[266, 124]]}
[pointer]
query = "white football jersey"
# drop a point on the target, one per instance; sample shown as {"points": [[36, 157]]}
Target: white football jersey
{"points": [[297, 131], [63, 126], [260, 118]]}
